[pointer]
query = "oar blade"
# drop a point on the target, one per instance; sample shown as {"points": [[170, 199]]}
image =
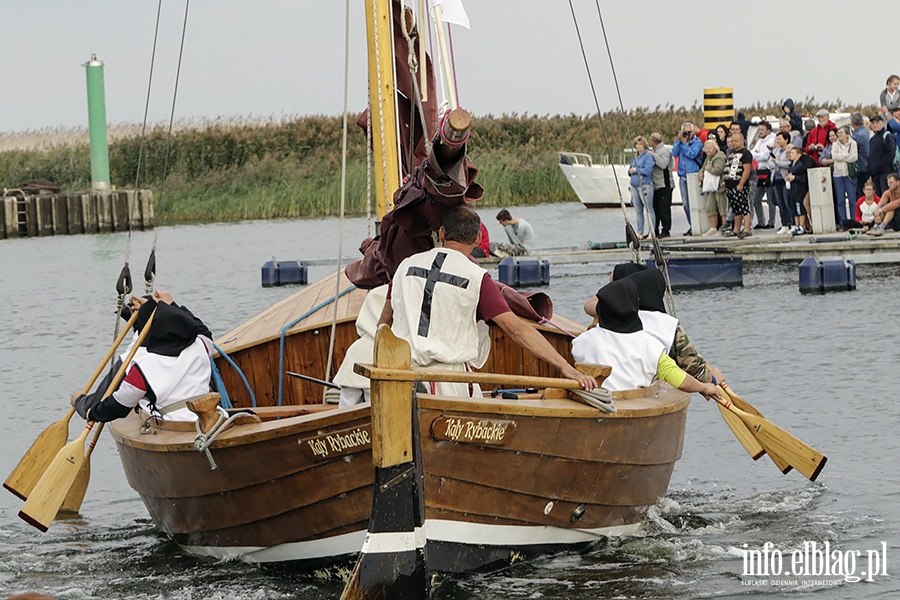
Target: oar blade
{"points": [[47, 496], [800, 455], [73, 500], [783, 465], [35, 461], [743, 435]]}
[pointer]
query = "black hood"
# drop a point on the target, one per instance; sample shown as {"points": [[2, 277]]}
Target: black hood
{"points": [[623, 270], [172, 329], [651, 286], [617, 307]]}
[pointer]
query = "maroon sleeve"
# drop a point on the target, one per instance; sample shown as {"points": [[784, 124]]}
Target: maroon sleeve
{"points": [[490, 302]]}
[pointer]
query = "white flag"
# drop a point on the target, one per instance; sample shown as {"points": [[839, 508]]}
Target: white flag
{"points": [[452, 11]]}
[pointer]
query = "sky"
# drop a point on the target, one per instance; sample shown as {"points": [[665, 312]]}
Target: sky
{"points": [[275, 58]]}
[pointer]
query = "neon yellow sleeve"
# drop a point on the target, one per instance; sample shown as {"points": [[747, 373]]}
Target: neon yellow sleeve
{"points": [[668, 371]]}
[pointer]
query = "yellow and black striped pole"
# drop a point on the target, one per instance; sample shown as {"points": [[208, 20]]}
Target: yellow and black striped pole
{"points": [[718, 107]]}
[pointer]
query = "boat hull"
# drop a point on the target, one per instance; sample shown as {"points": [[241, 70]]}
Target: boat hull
{"points": [[596, 186], [298, 490]]}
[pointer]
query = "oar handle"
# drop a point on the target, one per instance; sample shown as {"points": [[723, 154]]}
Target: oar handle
{"points": [[115, 346], [442, 375], [125, 363], [124, 367]]}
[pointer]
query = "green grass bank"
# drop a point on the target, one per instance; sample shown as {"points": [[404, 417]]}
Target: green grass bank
{"points": [[227, 171]]}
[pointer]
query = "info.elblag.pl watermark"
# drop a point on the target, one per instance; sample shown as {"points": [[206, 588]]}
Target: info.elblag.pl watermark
{"points": [[813, 563]]}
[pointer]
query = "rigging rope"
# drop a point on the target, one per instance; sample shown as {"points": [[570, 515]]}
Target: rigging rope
{"points": [[633, 241], [287, 327], [657, 250], [340, 253]]}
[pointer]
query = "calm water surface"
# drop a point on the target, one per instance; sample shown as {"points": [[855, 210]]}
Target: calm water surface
{"points": [[815, 365]]}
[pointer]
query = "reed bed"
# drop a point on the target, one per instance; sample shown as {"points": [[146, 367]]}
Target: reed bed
{"points": [[235, 168]]}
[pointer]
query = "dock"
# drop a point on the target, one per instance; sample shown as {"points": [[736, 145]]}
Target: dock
{"points": [[39, 215], [762, 246]]}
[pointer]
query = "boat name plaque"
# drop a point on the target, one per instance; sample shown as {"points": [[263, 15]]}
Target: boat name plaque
{"points": [[494, 432], [338, 443]]}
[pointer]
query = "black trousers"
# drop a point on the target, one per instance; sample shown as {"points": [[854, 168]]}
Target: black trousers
{"points": [[662, 208]]}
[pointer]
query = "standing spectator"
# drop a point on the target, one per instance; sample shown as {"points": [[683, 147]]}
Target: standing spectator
{"points": [[892, 123], [663, 183], [808, 126], [881, 154], [716, 201], [796, 136], [860, 135], [688, 149], [844, 151], [743, 123], [818, 137], [797, 183], [762, 154], [721, 137], [890, 96], [791, 115], [641, 171], [782, 164], [737, 175]]}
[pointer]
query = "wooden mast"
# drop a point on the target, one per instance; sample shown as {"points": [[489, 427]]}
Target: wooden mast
{"points": [[382, 100]]}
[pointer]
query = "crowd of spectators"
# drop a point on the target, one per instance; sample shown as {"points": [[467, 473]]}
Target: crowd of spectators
{"points": [[767, 176]]}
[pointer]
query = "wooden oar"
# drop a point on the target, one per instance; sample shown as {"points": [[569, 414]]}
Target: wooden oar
{"points": [[743, 435], [783, 465], [800, 455], [36, 460], [48, 495], [443, 375], [75, 497]]}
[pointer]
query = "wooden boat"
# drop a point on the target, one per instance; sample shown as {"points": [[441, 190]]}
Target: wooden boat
{"points": [[293, 482], [502, 477]]}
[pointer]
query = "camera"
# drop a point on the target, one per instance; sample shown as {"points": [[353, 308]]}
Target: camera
{"points": [[685, 134]]}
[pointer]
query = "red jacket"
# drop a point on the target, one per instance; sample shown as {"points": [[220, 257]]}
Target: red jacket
{"points": [[819, 135]]}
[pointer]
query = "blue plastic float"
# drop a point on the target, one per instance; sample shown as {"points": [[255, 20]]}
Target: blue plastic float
{"points": [[827, 275]]}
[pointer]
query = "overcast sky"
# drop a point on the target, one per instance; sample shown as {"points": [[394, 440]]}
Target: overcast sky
{"points": [[285, 57]]}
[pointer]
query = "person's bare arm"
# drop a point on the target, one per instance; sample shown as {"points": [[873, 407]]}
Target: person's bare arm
{"points": [[526, 336]]}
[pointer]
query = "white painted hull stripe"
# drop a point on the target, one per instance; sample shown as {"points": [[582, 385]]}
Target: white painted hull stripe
{"points": [[389, 542], [437, 530]]}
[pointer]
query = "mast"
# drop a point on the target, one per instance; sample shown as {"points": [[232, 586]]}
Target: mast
{"points": [[383, 115]]}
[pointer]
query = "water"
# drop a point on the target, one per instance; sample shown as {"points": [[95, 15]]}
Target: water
{"points": [[818, 366]]}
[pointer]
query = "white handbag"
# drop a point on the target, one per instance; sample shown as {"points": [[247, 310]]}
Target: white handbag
{"points": [[710, 183]]}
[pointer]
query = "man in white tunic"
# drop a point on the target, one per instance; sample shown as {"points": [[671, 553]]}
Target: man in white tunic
{"points": [[636, 357], [441, 299], [171, 365]]}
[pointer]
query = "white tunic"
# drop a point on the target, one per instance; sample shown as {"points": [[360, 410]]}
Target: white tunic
{"points": [[175, 378], [634, 357], [434, 299], [660, 325], [355, 388]]}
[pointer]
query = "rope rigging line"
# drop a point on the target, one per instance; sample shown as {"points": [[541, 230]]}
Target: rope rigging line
{"points": [[287, 327], [340, 249], [657, 249], [633, 241]]}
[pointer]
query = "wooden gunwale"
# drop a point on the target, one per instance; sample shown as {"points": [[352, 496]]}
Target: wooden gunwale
{"points": [[668, 401], [127, 431]]}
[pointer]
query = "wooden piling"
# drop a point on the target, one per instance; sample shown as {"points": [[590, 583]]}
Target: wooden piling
{"points": [[10, 223], [74, 214], [60, 214], [31, 216]]}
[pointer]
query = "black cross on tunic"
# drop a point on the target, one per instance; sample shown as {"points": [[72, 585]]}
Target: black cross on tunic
{"points": [[432, 278]]}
